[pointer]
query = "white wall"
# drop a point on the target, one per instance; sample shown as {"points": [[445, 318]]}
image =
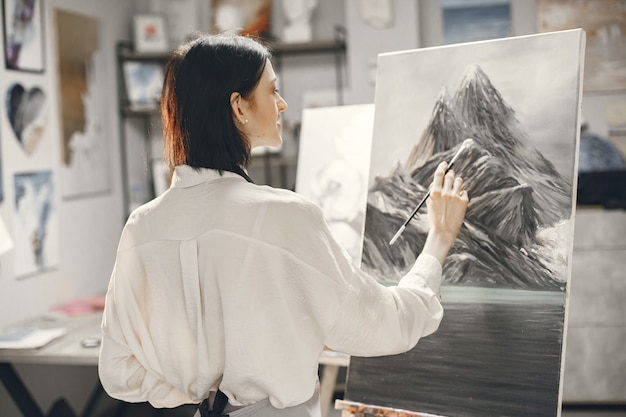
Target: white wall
{"points": [[365, 42], [89, 227]]}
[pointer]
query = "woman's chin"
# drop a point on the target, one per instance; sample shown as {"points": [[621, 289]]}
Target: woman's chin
{"points": [[268, 143]]}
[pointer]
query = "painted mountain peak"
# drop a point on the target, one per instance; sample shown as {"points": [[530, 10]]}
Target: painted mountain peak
{"points": [[519, 210]]}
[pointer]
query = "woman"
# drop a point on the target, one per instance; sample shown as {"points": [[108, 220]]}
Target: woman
{"points": [[227, 291]]}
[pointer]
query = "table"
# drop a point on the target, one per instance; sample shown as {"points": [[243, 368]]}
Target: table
{"points": [[68, 350]]}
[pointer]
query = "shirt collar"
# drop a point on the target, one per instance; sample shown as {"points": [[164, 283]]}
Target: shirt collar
{"points": [[186, 176]]}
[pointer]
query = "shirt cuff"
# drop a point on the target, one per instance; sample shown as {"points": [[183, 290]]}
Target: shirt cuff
{"points": [[430, 270]]}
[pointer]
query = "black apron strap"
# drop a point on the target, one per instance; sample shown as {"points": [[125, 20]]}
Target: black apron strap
{"points": [[219, 403]]}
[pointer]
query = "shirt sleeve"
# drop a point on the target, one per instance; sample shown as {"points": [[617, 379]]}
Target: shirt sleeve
{"points": [[375, 320], [369, 319]]}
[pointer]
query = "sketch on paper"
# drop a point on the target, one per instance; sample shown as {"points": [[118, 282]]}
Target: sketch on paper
{"points": [[333, 164], [605, 24], [498, 350], [36, 228], [23, 35], [85, 154], [27, 113]]}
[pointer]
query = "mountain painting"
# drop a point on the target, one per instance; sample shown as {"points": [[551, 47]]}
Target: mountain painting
{"points": [[499, 349]]}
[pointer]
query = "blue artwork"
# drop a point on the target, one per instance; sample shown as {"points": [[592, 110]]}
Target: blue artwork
{"points": [[477, 20], [36, 229], [143, 84]]}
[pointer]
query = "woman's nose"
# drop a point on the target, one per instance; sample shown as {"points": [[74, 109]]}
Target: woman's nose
{"points": [[282, 104]]}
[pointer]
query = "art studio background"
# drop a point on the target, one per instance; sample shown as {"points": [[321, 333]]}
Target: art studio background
{"points": [[80, 144]]}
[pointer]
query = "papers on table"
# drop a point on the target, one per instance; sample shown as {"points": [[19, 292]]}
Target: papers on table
{"points": [[29, 337]]}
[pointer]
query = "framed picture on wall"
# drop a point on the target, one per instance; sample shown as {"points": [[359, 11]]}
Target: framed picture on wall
{"points": [[150, 33], [144, 81], [23, 35], [247, 17], [604, 21]]}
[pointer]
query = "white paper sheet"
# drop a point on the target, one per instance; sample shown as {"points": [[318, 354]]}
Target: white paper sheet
{"points": [[29, 338]]}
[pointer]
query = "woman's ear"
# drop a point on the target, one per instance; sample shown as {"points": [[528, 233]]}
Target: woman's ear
{"points": [[237, 104]]}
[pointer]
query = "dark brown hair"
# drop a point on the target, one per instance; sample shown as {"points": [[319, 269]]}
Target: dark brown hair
{"points": [[201, 75]]}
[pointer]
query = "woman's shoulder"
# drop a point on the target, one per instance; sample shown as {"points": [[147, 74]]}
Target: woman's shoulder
{"points": [[287, 203]]}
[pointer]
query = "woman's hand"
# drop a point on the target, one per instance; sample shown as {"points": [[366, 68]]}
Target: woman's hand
{"points": [[446, 210]]}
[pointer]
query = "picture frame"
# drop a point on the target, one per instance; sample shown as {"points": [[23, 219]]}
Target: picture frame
{"points": [[150, 33], [605, 26], [475, 21], [143, 81], [23, 35], [244, 17]]}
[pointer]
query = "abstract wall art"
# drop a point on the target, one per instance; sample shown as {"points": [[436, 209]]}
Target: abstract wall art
{"points": [[36, 223], [478, 20], [23, 35], [333, 164], [499, 348], [81, 81], [27, 111], [604, 21], [247, 17]]}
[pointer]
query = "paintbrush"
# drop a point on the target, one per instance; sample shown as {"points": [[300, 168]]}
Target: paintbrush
{"points": [[466, 143]]}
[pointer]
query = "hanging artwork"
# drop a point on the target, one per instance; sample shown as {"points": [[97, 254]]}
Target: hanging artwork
{"points": [[143, 81], [150, 33], [476, 20], [605, 24], [245, 17], [84, 145], [498, 350], [333, 162], [27, 113], [36, 223], [23, 35]]}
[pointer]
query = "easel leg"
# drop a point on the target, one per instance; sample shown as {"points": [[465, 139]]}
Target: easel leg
{"points": [[17, 390], [327, 387]]}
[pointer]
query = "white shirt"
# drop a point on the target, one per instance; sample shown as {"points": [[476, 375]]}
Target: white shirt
{"points": [[222, 283]]}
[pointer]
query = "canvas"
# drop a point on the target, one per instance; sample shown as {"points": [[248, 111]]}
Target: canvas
{"points": [[26, 110], [333, 164], [245, 17], [605, 24], [23, 35], [499, 348], [84, 146], [477, 20], [36, 223]]}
